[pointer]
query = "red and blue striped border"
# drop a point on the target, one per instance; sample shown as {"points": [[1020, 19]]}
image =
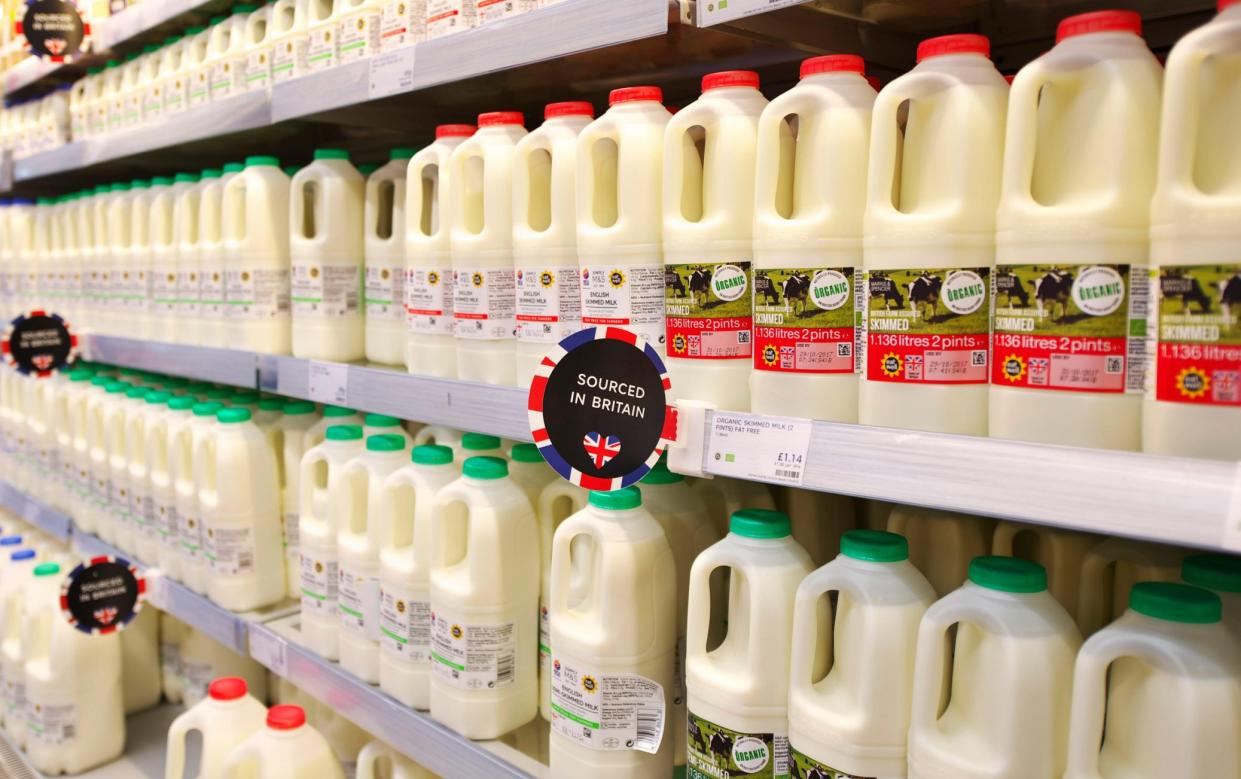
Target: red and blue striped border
{"points": [[76, 572]]}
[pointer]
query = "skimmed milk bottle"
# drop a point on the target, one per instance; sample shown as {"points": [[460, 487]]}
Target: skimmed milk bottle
{"points": [[384, 244], [256, 257], [558, 501], [225, 718]]}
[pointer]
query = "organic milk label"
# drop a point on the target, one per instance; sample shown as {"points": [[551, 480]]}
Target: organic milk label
{"points": [[484, 303], [402, 22], [405, 626], [806, 320], [211, 295], [189, 532], [1195, 335], [288, 58], [321, 51], [325, 290], [802, 765], [164, 291], [549, 303], [716, 752], [449, 16], [51, 723], [631, 297], [258, 69], [1070, 328], [606, 711], [926, 325], [472, 656], [357, 602], [385, 292], [256, 294], [319, 582], [708, 310], [428, 301], [229, 550], [358, 36]]}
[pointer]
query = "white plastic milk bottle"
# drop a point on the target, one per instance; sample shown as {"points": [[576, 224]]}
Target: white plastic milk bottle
{"points": [[187, 439], [227, 53], [22, 563], [143, 462], [1192, 400], [296, 420], [708, 206], [288, 748], [357, 29], [1071, 238], [322, 47], [160, 268], [558, 501], [120, 239], [809, 195], [1220, 574], [402, 23], [942, 543], [205, 309], [484, 593], [1010, 667], [854, 720], [1109, 572], [195, 63], [549, 292], [325, 214], [174, 84], [1166, 678], [204, 659], [430, 348], [613, 625], [481, 214], [1061, 552], [225, 718], [289, 38], [161, 450], [377, 753], [256, 257], [384, 245], [185, 273], [530, 471], [332, 416], [928, 248], [256, 62]]}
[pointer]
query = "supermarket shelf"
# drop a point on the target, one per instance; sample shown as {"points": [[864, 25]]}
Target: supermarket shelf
{"points": [[223, 366], [42, 516]]}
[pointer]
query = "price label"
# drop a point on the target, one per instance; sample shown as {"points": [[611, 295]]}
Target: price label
{"points": [[391, 73], [771, 449], [719, 11], [270, 651], [328, 382]]}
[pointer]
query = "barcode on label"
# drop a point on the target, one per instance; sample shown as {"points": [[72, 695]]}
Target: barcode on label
{"points": [[504, 668], [649, 730], [69, 732], [787, 473], [245, 561]]}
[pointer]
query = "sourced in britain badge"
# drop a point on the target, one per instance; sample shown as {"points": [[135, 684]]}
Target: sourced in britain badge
{"points": [[56, 30], [38, 343], [102, 595]]}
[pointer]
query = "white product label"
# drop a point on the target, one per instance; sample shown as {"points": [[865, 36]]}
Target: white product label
{"points": [[545, 639], [473, 656], [321, 50], [769, 449], [151, 521], [189, 293], [175, 95], [402, 22], [358, 37], [629, 296], [229, 550], [288, 59], [164, 291], [210, 297], [226, 77], [256, 294], [606, 711], [385, 292], [51, 723], [357, 601], [392, 72], [328, 382], [166, 522], [428, 301], [189, 531], [258, 69], [549, 303], [405, 626], [325, 290], [319, 579], [270, 651], [494, 10], [199, 87], [449, 16], [15, 697], [484, 303], [289, 529]]}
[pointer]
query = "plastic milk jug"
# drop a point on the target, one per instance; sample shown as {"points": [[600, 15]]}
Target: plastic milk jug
{"points": [[708, 199], [384, 251], [405, 599], [941, 543], [358, 28], [98, 405], [928, 245], [445, 17], [1192, 399], [376, 753], [161, 450], [854, 720], [205, 308], [1006, 713], [332, 416], [613, 626], [12, 615], [151, 81], [258, 35], [430, 348], [256, 257], [140, 674], [810, 185], [1071, 238], [322, 47], [288, 748], [227, 53], [819, 519], [402, 23], [1222, 575], [1061, 552], [159, 265], [183, 278], [134, 270], [725, 496], [196, 64], [530, 471], [186, 440], [129, 511], [142, 464], [325, 212], [1165, 677], [171, 633], [295, 422], [173, 83], [204, 659], [481, 219], [119, 231], [1109, 572], [289, 38], [558, 501], [112, 525], [549, 297], [484, 593], [619, 214], [225, 718]]}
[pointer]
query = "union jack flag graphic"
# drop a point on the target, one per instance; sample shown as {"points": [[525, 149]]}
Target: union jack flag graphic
{"points": [[106, 615], [602, 448]]}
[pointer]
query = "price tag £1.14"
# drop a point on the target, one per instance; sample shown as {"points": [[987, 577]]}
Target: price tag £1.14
{"points": [[771, 449]]}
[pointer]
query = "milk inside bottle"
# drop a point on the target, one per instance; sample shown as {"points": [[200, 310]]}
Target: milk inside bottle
{"points": [[161, 450], [227, 53], [384, 244], [259, 35], [322, 46], [186, 274], [928, 248], [206, 305], [558, 501], [140, 662], [225, 718], [358, 28], [295, 422], [289, 38], [810, 185], [287, 748], [530, 471], [942, 543], [1192, 399], [1220, 574], [256, 257], [196, 63], [1109, 572], [173, 81], [12, 616], [141, 463], [377, 753], [186, 439]]}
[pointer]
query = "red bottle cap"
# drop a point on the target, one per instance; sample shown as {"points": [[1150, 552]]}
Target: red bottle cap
{"points": [[730, 78], [833, 63], [227, 688], [634, 94], [1099, 21], [455, 130], [498, 118], [1227, 3], [965, 43], [571, 108], [285, 717]]}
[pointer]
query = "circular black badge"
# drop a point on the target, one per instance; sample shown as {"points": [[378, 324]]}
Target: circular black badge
{"points": [[53, 29], [102, 595], [39, 343]]}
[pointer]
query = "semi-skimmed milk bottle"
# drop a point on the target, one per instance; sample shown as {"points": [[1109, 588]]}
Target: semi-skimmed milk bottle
{"points": [[430, 348], [549, 296], [160, 453], [613, 626], [22, 563], [929, 241], [186, 439], [206, 304], [287, 748], [1193, 398], [186, 271], [708, 206], [225, 718], [384, 252], [558, 501], [401, 23], [357, 29], [810, 185], [1220, 574], [1068, 349], [227, 53], [196, 64], [256, 257]]}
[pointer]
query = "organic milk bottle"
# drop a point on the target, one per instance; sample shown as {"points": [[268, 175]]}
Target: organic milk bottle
{"points": [[1222, 575], [227, 53], [204, 659], [725, 496], [160, 468], [173, 84], [204, 308], [1009, 666], [549, 293], [225, 718], [613, 626], [258, 35], [1071, 237], [810, 185], [1165, 678], [12, 613], [183, 276], [322, 47], [401, 23], [854, 719], [484, 592], [1109, 572], [384, 251], [708, 199], [186, 440], [289, 38], [558, 501], [619, 214], [445, 17], [256, 257], [140, 662], [1192, 395], [936, 145], [298, 417], [405, 608], [481, 221], [429, 344], [287, 748], [325, 211], [942, 543], [1061, 552], [357, 29], [196, 64], [75, 718], [332, 416], [819, 519], [377, 753]]}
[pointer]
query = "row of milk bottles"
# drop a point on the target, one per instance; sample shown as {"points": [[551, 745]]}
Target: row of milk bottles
{"points": [[37, 124]]}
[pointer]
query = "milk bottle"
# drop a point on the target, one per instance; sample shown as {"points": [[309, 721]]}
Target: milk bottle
{"points": [[399, 766], [297, 419], [98, 259], [810, 185], [1071, 240], [322, 46], [481, 220], [357, 29], [530, 471], [225, 718], [549, 298], [150, 81], [182, 276], [725, 496], [326, 250], [97, 407], [256, 257], [173, 83], [1222, 575], [196, 64], [74, 712], [402, 23], [12, 613], [76, 465], [332, 415], [709, 152], [186, 440], [484, 592], [1061, 552], [258, 35], [171, 633], [115, 494], [619, 214], [83, 92], [204, 659], [479, 444], [382, 424], [159, 267], [929, 225], [1109, 572], [614, 659], [140, 662], [819, 519], [161, 450], [227, 53], [122, 111], [145, 542], [1165, 677], [126, 508], [855, 719], [1006, 713], [557, 502], [289, 38], [429, 344], [942, 543], [205, 305], [384, 246], [405, 609], [287, 748], [120, 237], [445, 17]]}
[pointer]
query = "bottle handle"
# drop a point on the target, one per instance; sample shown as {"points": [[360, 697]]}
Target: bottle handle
{"points": [[390, 507], [174, 763], [698, 622], [811, 615], [930, 662], [883, 162], [1017, 187], [369, 756], [601, 130]]}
